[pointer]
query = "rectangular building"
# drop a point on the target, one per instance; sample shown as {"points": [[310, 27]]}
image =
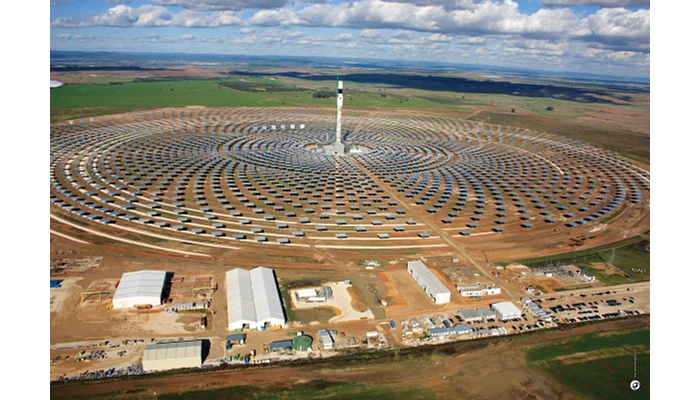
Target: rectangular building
{"points": [[139, 288], [164, 356], [477, 290], [506, 310], [471, 316], [432, 286], [326, 339], [487, 314], [281, 345], [253, 299], [587, 276]]}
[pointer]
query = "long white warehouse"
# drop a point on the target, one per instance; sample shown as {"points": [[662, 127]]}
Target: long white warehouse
{"points": [[429, 282], [139, 288], [253, 299]]}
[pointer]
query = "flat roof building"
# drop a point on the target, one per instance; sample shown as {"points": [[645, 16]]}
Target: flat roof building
{"points": [[428, 282], [139, 288], [281, 345], [164, 356], [486, 313], [471, 315], [253, 299], [506, 310], [326, 339]]}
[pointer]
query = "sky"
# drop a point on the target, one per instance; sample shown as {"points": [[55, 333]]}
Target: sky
{"points": [[610, 37]]}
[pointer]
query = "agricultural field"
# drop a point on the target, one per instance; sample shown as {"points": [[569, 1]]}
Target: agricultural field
{"points": [[598, 365], [90, 99]]}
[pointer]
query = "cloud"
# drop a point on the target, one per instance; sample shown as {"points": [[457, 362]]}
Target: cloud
{"points": [[148, 16], [343, 37], [469, 18], [370, 33], [79, 37], [497, 32], [597, 3], [281, 17], [118, 1], [439, 37], [221, 5], [619, 23]]}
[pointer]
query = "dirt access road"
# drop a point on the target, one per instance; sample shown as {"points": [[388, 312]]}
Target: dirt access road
{"points": [[420, 214]]}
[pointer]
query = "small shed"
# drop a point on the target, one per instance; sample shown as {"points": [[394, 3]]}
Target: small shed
{"points": [[281, 345]]}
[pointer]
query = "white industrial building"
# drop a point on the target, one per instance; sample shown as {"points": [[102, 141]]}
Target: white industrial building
{"points": [[429, 282], [139, 288], [506, 310], [587, 276], [253, 299], [164, 356], [477, 290]]}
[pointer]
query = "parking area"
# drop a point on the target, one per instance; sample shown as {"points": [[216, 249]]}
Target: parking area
{"points": [[596, 303]]}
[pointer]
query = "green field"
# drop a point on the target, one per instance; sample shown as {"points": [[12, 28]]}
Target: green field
{"points": [[89, 99], [598, 365], [312, 390], [318, 389], [124, 95]]}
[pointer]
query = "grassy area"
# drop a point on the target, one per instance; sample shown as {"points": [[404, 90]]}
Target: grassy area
{"points": [[631, 144], [598, 365], [304, 282], [317, 389], [291, 258], [631, 256], [631, 262], [286, 299], [575, 256], [84, 100], [320, 314]]}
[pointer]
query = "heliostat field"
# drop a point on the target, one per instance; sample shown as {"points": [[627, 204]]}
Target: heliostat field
{"points": [[191, 180]]}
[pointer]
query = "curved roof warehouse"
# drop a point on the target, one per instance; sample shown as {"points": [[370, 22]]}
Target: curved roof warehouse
{"points": [[253, 299]]}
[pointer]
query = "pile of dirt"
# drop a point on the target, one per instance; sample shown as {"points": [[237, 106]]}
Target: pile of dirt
{"points": [[357, 302]]}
